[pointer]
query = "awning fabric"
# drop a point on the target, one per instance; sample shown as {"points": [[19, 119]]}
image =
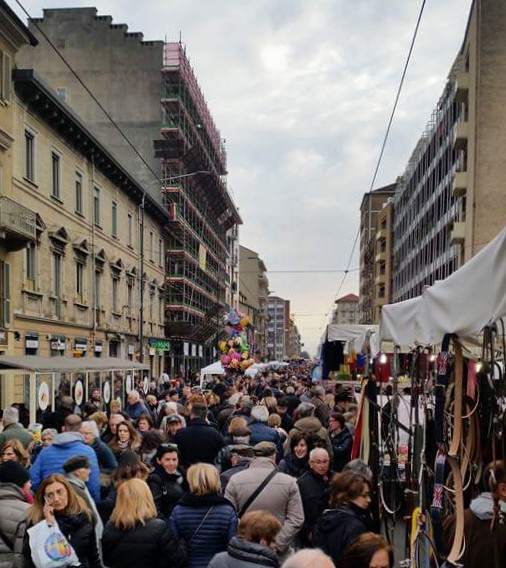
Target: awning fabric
{"points": [[62, 364]]}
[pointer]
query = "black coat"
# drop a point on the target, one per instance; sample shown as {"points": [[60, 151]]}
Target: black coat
{"points": [[244, 554], [198, 442], [311, 487], [337, 528], [167, 489], [145, 546], [79, 532], [292, 465], [342, 445]]}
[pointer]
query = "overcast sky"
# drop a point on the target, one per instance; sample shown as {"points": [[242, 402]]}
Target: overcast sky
{"points": [[302, 91]]}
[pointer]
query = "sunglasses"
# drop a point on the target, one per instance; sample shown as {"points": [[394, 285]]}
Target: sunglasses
{"points": [[172, 447]]}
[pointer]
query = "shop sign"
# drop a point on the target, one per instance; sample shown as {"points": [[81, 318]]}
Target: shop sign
{"points": [[160, 344], [98, 347], [81, 345], [32, 343], [58, 344], [130, 349], [152, 352]]}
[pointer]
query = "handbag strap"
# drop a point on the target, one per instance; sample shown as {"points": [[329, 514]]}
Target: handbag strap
{"points": [[256, 493], [201, 523]]}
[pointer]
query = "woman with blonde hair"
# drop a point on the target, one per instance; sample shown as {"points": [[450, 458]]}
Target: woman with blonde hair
{"points": [[13, 450], [56, 502], [134, 537], [205, 519]]}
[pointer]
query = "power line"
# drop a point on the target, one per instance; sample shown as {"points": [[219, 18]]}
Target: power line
{"points": [[300, 271]]}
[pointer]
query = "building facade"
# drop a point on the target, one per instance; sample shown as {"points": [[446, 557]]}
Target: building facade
{"points": [[278, 314], [371, 206], [383, 259], [293, 341], [152, 93], [450, 201], [346, 310]]}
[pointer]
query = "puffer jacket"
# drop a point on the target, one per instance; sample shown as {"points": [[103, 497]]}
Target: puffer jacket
{"points": [[167, 489], [244, 554], [205, 537], [52, 458], [146, 546], [312, 426], [13, 507]]}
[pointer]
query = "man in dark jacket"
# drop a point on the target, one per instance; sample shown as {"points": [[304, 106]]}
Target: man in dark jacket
{"points": [[13, 430], [312, 485], [341, 439], [199, 441], [260, 432]]}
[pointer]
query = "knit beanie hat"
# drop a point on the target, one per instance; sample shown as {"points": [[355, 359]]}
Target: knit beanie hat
{"points": [[13, 472]]}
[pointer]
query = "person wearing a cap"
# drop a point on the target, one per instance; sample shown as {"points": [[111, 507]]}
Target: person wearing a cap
{"points": [[174, 423], [280, 496], [238, 433], [15, 500], [240, 456]]}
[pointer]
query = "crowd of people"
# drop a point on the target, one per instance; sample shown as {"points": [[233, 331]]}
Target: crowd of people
{"points": [[248, 472]]}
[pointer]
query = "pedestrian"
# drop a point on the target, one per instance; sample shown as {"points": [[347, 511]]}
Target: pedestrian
{"points": [[253, 545], [308, 423], [322, 410], [106, 460], [238, 434], [15, 500], [307, 558], [126, 438], [167, 481], [205, 519], [296, 460], [134, 537], [261, 487], [96, 401], [312, 485], [47, 437], [144, 423], [56, 419], [67, 444], [240, 456], [172, 425], [13, 450], [199, 441], [261, 432], [56, 502], [110, 431], [135, 407], [13, 430], [341, 439], [336, 528], [369, 550]]}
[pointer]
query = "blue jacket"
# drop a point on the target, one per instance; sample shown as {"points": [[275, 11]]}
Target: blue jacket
{"points": [[205, 539], [135, 410], [52, 458], [260, 432], [106, 459]]}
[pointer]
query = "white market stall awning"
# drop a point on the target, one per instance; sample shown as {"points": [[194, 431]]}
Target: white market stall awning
{"points": [[359, 335], [212, 369], [464, 303]]}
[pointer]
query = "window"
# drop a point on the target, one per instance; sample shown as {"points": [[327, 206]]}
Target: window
{"points": [[57, 282], [151, 245], [130, 228], [97, 285], [130, 296], [115, 287], [160, 252], [151, 305], [55, 175], [80, 281], [6, 85], [29, 155], [114, 231], [160, 308], [96, 205], [5, 295], [31, 267], [79, 193]]}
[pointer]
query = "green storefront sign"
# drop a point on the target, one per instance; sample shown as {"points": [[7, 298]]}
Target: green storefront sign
{"points": [[161, 344]]}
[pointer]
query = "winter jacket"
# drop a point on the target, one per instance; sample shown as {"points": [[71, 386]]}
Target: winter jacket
{"points": [[242, 464], [78, 530], [322, 410], [16, 432], [342, 444], [281, 497], [294, 466], [260, 432], [146, 546], [483, 547], [207, 537], [311, 425], [244, 554], [198, 442], [13, 507], [311, 487], [106, 460], [167, 489], [337, 528], [135, 410], [52, 458]]}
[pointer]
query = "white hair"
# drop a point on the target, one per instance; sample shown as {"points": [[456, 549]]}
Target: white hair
{"points": [[92, 425], [11, 416], [172, 405], [135, 394], [315, 451], [260, 413], [307, 558]]}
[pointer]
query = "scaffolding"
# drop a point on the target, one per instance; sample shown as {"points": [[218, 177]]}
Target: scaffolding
{"points": [[201, 211]]}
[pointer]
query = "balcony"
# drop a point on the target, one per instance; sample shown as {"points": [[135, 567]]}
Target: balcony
{"points": [[381, 256], [380, 280], [461, 87], [459, 187], [461, 135], [17, 224], [457, 233], [381, 234]]}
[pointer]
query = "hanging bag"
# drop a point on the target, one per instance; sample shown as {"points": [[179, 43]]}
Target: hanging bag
{"points": [[50, 548]]}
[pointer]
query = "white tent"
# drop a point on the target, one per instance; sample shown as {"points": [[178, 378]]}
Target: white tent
{"points": [[464, 303], [254, 369], [358, 335], [212, 369]]}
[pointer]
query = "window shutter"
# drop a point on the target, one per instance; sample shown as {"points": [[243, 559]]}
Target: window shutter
{"points": [[7, 293], [6, 77]]}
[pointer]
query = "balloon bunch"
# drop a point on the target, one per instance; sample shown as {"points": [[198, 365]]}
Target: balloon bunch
{"points": [[235, 351]]}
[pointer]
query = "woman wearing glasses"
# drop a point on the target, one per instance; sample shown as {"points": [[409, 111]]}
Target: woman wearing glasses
{"points": [[166, 481], [347, 519]]}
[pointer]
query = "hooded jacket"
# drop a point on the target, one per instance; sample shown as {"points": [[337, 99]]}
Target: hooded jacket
{"points": [[52, 458], [337, 528], [244, 554], [483, 547], [311, 425], [13, 507]]}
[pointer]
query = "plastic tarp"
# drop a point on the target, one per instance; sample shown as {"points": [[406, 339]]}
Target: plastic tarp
{"points": [[213, 369], [357, 334], [464, 303]]}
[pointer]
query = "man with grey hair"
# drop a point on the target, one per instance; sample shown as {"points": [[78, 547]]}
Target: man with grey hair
{"points": [[309, 424], [309, 557], [105, 457], [135, 407], [13, 430]]}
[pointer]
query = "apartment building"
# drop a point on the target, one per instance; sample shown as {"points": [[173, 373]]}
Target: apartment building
{"points": [[151, 91], [294, 341], [450, 201], [383, 259], [278, 314], [346, 310]]}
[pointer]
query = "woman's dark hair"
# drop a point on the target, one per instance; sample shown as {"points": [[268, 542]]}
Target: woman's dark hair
{"points": [[129, 466], [347, 486], [151, 440], [148, 419], [338, 417], [360, 552], [298, 436], [166, 449]]}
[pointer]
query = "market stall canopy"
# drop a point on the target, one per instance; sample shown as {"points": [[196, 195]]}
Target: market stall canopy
{"points": [[212, 369], [357, 334], [254, 369], [464, 303], [62, 364]]}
